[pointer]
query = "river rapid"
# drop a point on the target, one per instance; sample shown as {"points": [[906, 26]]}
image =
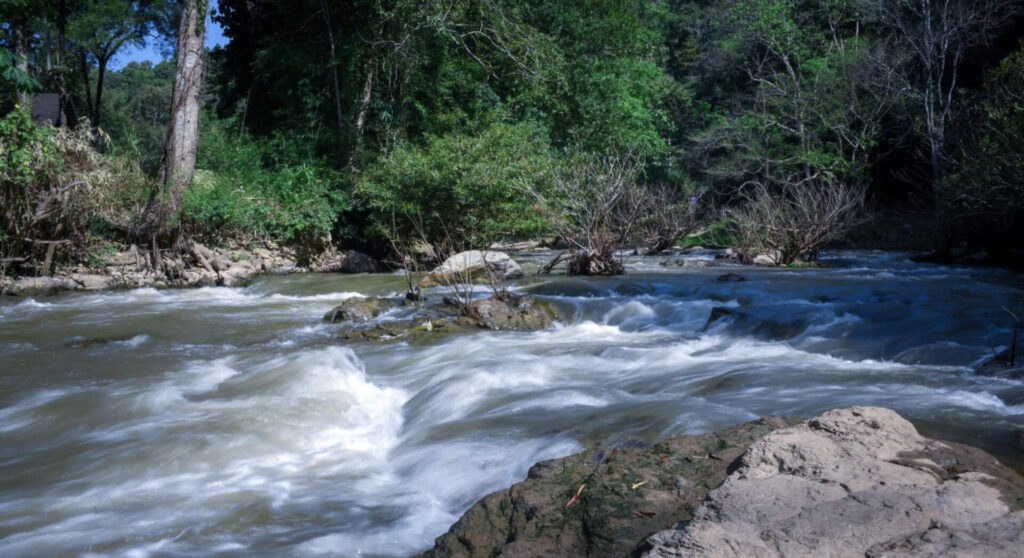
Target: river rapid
{"points": [[235, 422]]}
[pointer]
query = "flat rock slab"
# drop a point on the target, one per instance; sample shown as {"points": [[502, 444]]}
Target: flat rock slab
{"points": [[853, 483]]}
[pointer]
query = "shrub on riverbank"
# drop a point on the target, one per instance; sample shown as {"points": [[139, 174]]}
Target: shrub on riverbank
{"points": [[57, 190], [460, 190], [249, 187]]}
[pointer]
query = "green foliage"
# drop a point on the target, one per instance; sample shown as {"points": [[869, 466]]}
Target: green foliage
{"points": [[55, 185], [244, 187], [464, 191], [719, 234], [28, 154], [136, 110], [986, 185], [29, 165], [12, 78]]}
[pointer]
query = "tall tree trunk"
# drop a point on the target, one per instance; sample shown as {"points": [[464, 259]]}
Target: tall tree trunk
{"points": [[83, 68], [49, 50], [21, 50], [183, 130], [97, 109], [364, 103], [364, 109], [334, 65], [67, 110]]}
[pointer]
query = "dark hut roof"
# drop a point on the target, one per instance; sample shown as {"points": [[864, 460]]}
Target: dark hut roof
{"points": [[46, 109]]}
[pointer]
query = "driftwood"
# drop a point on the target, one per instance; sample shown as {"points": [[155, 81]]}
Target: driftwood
{"points": [[52, 204]]}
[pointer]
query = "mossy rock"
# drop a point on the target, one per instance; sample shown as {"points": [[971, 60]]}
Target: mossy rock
{"points": [[359, 309], [626, 495]]}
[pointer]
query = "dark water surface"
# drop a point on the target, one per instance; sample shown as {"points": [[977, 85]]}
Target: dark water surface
{"points": [[235, 422]]}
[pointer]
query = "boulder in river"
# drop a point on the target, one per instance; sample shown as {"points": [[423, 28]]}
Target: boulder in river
{"points": [[473, 266], [851, 482], [767, 259], [599, 503], [358, 262], [856, 482], [358, 309], [517, 313]]}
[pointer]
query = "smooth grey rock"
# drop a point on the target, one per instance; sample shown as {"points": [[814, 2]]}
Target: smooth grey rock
{"points": [[473, 266], [855, 482]]}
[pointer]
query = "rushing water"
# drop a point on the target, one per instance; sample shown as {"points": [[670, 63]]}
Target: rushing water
{"points": [[235, 422]]}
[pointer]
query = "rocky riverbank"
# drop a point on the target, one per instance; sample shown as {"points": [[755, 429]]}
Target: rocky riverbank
{"points": [[130, 267], [852, 482]]}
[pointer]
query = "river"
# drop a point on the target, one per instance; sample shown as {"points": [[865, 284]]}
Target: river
{"points": [[235, 422]]}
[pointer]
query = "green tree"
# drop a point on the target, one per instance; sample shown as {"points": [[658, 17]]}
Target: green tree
{"points": [[461, 191], [137, 108], [98, 33], [985, 191]]}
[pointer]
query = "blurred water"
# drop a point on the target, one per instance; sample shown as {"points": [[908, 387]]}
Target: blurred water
{"points": [[235, 422]]}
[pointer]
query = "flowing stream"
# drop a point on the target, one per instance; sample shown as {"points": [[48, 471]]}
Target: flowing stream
{"points": [[235, 422]]}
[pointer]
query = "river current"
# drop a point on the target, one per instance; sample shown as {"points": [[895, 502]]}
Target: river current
{"points": [[235, 422]]}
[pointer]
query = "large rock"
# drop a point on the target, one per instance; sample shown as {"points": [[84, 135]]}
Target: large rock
{"points": [[36, 286], [627, 494], [856, 482], [517, 313], [237, 273], [473, 266], [853, 482], [94, 281], [358, 262], [358, 309]]}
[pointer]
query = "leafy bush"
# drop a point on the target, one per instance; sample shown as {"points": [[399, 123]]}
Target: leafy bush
{"points": [[54, 185], [460, 190], [29, 165], [985, 190], [243, 188]]}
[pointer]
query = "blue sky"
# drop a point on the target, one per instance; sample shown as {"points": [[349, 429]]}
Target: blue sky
{"points": [[151, 52]]}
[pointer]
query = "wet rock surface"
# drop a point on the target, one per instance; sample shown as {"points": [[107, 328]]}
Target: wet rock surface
{"points": [[626, 495], [856, 482], [358, 309], [516, 313], [730, 278], [852, 482], [434, 317]]}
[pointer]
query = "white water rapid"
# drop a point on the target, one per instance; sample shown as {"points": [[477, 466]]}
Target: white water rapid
{"points": [[235, 422]]}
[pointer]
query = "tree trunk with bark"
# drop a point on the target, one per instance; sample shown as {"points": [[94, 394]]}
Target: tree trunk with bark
{"points": [[179, 162], [21, 50]]}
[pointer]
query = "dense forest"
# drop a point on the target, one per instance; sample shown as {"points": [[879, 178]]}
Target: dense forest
{"points": [[776, 126]]}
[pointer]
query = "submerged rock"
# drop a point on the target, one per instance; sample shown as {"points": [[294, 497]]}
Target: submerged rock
{"points": [[359, 309], [856, 482], [473, 266], [717, 313], [680, 262], [730, 278]]}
